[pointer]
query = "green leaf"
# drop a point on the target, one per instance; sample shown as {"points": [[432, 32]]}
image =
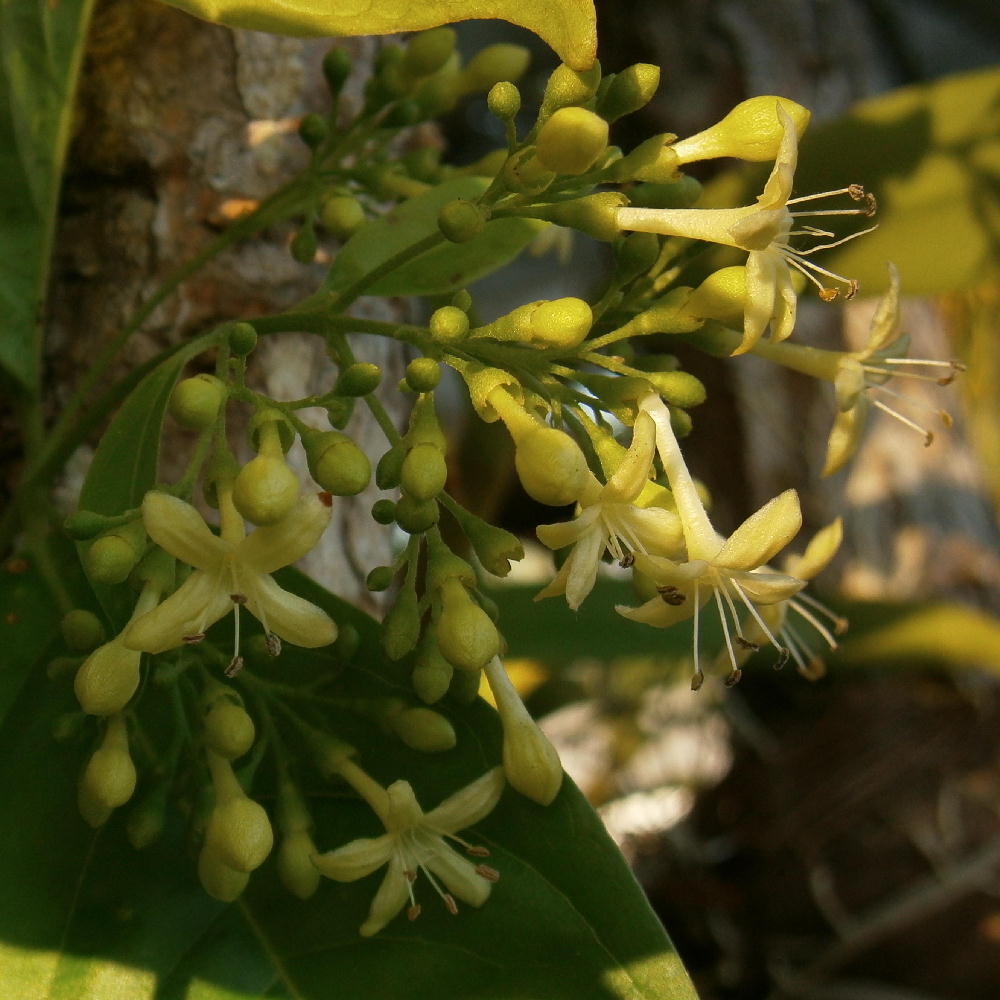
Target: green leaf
{"points": [[83, 916], [41, 44], [442, 269]]}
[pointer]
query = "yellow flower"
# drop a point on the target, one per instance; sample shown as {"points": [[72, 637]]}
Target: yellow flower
{"points": [[232, 569], [609, 519], [732, 570], [415, 840], [765, 231]]}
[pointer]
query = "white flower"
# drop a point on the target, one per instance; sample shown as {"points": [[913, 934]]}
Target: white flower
{"points": [[764, 230], [415, 841], [609, 519], [231, 570]]}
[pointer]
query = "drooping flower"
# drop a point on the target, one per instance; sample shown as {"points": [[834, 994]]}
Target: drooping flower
{"points": [[231, 570], [416, 841], [732, 570], [765, 231], [610, 520]]}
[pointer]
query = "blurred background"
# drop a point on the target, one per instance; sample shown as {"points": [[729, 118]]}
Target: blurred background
{"points": [[835, 839]]}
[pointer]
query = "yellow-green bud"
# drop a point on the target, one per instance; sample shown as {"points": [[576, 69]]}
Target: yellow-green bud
{"points": [[218, 879], [109, 778], [339, 410], [595, 214], [448, 325], [722, 296], [239, 833], [341, 215], [265, 490], [571, 140], [268, 428], [113, 556], [195, 402], [461, 220], [424, 472], [680, 193], [415, 516], [107, 679], [636, 254], [504, 100], [494, 64], [628, 91], [313, 129], [428, 51], [295, 868], [384, 511], [390, 467], [337, 464], [423, 729], [443, 564], [401, 626], [562, 323], [229, 730], [525, 173], [336, 69], [242, 338], [751, 131], [379, 579], [81, 630], [462, 300], [568, 86], [358, 379], [551, 466], [431, 672], [423, 374], [466, 636]]}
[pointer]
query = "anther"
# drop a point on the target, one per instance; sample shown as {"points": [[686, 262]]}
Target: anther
{"points": [[697, 679], [671, 595], [477, 852], [784, 654], [449, 902], [413, 912], [627, 560], [326, 499], [746, 643], [235, 666], [852, 288], [411, 875], [238, 599], [273, 644], [829, 294], [488, 873], [192, 640], [733, 677]]}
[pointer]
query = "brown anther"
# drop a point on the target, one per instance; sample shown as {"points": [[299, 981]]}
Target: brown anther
{"points": [[783, 657], [871, 205], [671, 595], [235, 666], [840, 626], [828, 294], [273, 644], [856, 191], [449, 902], [413, 912], [477, 852], [411, 875], [928, 439], [852, 289], [191, 640], [697, 679], [627, 560], [734, 677], [238, 598], [945, 418], [490, 874], [814, 669], [326, 499], [746, 643]]}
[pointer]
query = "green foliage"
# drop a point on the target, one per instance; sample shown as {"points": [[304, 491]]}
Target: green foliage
{"points": [[40, 50]]}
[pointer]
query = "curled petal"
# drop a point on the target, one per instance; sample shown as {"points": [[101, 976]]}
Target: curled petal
{"points": [[357, 859], [778, 188], [271, 547], [468, 805], [657, 530], [563, 533], [667, 571], [581, 568], [885, 323], [763, 534], [659, 614], [761, 270], [820, 550], [458, 875], [389, 900], [197, 604], [763, 587], [287, 615], [785, 304], [177, 527], [845, 435], [633, 473]]}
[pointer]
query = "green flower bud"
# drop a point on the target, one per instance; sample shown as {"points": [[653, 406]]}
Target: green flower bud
{"points": [[82, 630], [147, 817], [218, 879], [265, 490], [348, 641], [571, 140], [415, 516], [494, 64], [431, 671], [384, 511], [722, 296], [562, 323], [239, 833], [551, 466], [341, 215], [423, 374], [423, 729], [568, 86], [304, 244], [336, 69], [628, 91], [84, 525], [109, 778], [313, 130], [424, 472], [462, 300], [390, 467], [380, 578], [195, 402], [229, 730], [107, 679], [448, 324], [428, 51], [504, 100], [461, 220], [466, 636], [524, 173], [594, 214], [337, 464], [242, 338], [113, 556], [358, 379], [401, 626], [295, 868]]}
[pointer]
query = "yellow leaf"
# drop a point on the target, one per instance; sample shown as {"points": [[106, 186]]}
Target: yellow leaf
{"points": [[569, 26]]}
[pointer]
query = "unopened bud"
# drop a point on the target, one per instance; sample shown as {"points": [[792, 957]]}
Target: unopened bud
{"points": [[431, 671], [466, 636], [461, 220], [401, 626], [113, 556], [313, 130], [358, 379], [336, 69], [265, 490], [296, 870], [384, 511], [628, 91], [448, 324], [82, 630], [551, 466], [424, 472], [495, 548], [722, 296], [524, 173], [109, 778], [107, 679], [504, 100], [83, 525], [494, 64], [423, 374], [595, 214], [242, 338], [229, 730], [195, 402], [569, 86], [423, 729], [415, 516], [239, 833], [341, 215], [562, 323], [336, 463], [428, 51], [304, 244], [390, 467], [571, 140], [218, 879]]}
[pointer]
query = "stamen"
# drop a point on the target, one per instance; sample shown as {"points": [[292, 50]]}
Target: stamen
{"points": [[840, 624], [915, 376], [698, 678], [851, 189], [756, 614], [836, 243], [488, 873], [627, 560], [814, 621], [725, 631], [733, 678], [449, 902], [829, 294], [191, 640], [928, 435], [671, 595], [235, 666], [273, 644], [413, 912]]}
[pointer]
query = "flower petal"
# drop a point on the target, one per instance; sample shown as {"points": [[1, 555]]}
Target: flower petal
{"points": [[177, 527], [656, 530], [286, 615], [658, 613], [761, 272], [763, 534], [197, 604], [389, 900], [357, 859], [763, 587], [459, 876], [820, 550], [845, 435], [778, 188], [557, 585], [884, 327], [633, 472], [563, 533], [581, 567], [468, 805], [785, 304], [281, 544]]}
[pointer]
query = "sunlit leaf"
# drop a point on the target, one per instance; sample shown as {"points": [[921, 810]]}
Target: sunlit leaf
{"points": [[569, 26]]}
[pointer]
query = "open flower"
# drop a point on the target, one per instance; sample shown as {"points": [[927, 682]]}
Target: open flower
{"points": [[609, 519], [415, 840], [732, 570], [765, 231], [231, 570]]}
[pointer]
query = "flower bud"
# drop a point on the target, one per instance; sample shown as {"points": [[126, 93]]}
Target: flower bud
{"points": [[336, 463], [466, 636], [113, 556], [461, 220], [384, 511], [195, 402], [443, 564], [341, 215], [637, 253], [551, 466], [296, 870], [595, 214], [241, 337], [424, 472], [494, 64], [431, 671], [339, 410], [628, 91], [265, 490], [722, 296], [569, 86], [239, 833], [504, 100], [313, 130], [336, 69], [415, 516], [571, 140], [423, 729], [448, 325], [390, 467], [109, 778], [218, 879], [107, 679], [81, 630], [751, 131], [562, 323], [401, 626], [358, 379], [379, 579], [229, 730], [428, 51], [423, 374], [304, 244]]}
